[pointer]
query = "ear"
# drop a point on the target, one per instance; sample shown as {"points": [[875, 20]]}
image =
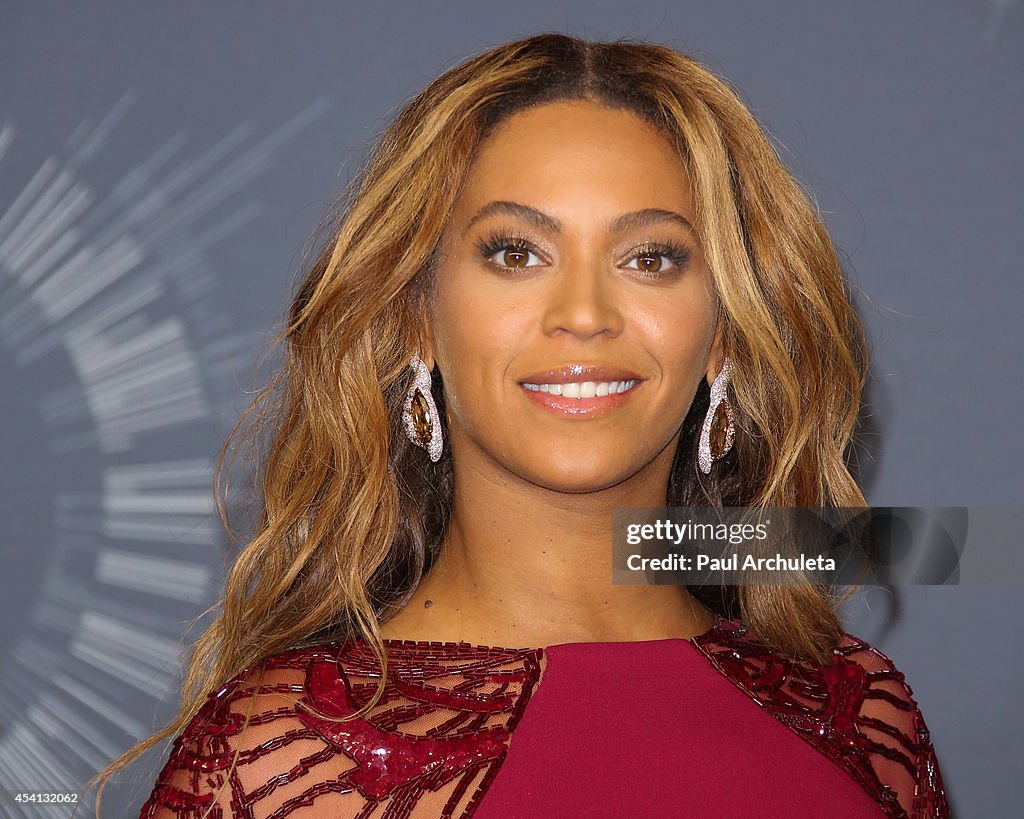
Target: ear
{"points": [[716, 355]]}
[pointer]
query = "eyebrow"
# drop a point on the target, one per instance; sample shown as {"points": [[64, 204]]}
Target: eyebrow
{"points": [[620, 224]]}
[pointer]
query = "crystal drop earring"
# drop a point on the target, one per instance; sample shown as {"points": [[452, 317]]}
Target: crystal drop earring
{"points": [[419, 416], [719, 430]]}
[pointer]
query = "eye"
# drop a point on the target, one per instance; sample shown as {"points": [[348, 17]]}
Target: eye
{"points": [[515, 251], [649, 258]]}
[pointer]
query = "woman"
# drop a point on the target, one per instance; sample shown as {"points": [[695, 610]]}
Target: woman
{"points": [[574, 276]]}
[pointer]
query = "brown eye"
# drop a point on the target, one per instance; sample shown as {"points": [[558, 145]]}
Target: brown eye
{"points": [[649, 262], [515, 258], [649, 259], [509, 252]]}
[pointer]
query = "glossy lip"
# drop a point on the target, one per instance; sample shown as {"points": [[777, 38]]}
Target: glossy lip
{"points": [[580, 372], [595, 407]]}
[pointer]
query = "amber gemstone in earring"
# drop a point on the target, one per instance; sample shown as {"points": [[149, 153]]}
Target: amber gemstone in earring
{"points": [[421, 419], [719, 432]]}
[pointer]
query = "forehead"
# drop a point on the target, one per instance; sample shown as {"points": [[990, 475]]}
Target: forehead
{"points": [[574, 151]]}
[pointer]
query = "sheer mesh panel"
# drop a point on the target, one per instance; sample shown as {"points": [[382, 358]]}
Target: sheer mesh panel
{"points": [[428, 748], [857, 710], [436, 739]]}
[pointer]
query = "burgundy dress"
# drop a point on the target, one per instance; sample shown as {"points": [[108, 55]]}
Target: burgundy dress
{"points": [[713, 726]]}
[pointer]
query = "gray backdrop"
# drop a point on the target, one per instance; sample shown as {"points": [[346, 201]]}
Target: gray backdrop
{"points": [[162, 165]]}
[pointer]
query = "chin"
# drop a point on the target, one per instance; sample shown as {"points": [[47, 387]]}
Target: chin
{"points": [[575, 479]]}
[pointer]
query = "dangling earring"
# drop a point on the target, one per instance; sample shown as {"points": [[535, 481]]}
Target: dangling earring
{"points": [[719, 430], [422, 423]]}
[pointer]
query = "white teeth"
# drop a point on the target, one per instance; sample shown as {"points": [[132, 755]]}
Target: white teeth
{"points": [[584, 389]]}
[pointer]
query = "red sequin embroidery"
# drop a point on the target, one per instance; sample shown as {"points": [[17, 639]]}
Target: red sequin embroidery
{"points": [[431, 744], [858, 711], [435, 740]]}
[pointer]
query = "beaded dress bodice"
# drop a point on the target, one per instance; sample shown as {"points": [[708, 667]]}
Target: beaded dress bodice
{"points": [[439, 736]]}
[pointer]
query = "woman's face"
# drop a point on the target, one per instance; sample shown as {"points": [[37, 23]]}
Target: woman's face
{"points": [[570, 247]]}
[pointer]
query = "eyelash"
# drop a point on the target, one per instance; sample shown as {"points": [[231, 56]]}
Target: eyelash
{"points": [[678, 254]]}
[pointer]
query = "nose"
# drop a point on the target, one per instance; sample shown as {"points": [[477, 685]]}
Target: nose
{"points": [[582, 301]]}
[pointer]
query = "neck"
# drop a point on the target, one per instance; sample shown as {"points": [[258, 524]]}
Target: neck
{"points": [[526, 566]]}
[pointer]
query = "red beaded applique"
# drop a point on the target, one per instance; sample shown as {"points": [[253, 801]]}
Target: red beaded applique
{"points": [[858, 711], [428, 747], [434, 741]]}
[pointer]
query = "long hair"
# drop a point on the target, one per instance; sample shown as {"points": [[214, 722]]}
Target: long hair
{"points": [[351, 514]]}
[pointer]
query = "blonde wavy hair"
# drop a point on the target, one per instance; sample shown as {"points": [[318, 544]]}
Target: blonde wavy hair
{"points": [[351, 514]]}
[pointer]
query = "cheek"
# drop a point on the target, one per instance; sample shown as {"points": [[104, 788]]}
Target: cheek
{"points": [[477, 338], [678, 332]]}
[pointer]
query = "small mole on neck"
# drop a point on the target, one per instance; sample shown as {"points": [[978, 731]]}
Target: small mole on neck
{"points": [[427, 604]]}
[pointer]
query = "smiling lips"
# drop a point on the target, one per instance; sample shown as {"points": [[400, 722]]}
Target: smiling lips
{"points": [[581, 390]]}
